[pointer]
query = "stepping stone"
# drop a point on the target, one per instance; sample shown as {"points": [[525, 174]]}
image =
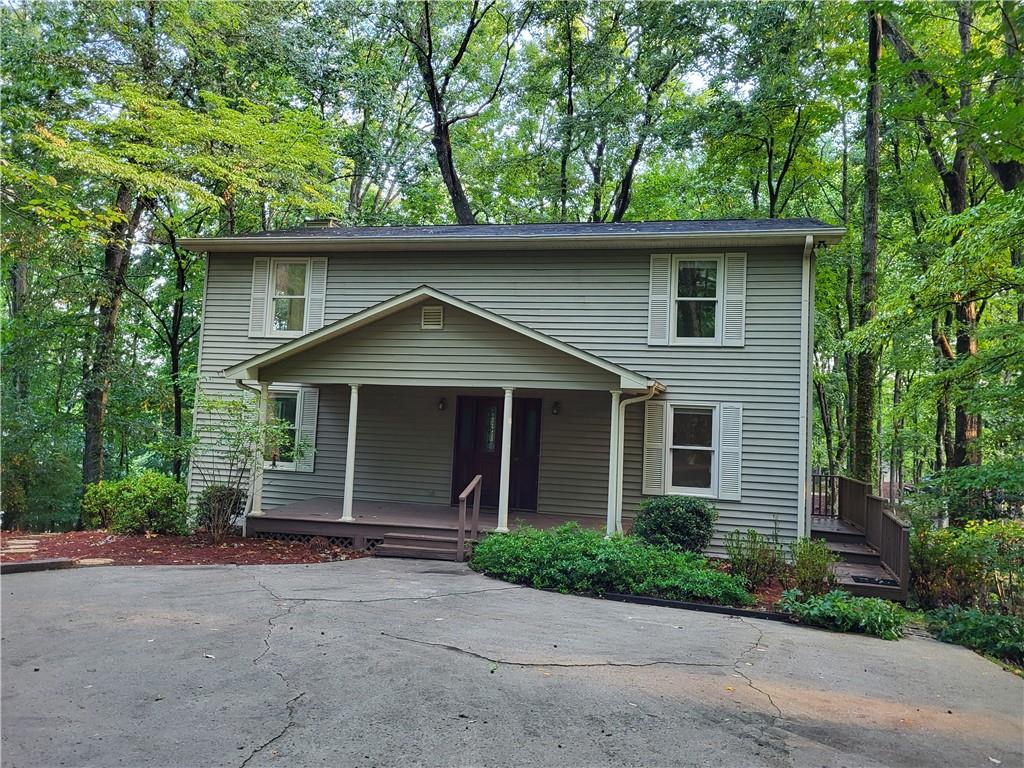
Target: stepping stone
{"points": [[15, 542], [95, 561]]}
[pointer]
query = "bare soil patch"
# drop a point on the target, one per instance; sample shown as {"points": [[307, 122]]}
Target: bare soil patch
{"points": [[152, 549]]}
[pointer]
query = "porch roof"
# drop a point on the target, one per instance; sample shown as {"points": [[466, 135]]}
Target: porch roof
{"points": [[253, 368]]}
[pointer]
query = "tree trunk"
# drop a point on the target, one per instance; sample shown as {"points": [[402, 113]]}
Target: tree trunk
{"points": [[116, 257], [17, 297], [867, 360], [563, 170]]}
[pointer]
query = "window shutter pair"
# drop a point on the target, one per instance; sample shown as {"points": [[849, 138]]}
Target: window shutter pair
{"points": [[656, 466], [260, 296], [309, 404], [734, 298]]}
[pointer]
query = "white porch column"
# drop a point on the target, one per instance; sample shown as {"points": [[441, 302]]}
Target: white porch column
{"points": [[257, 464], [614, 460], [506, 463], [350, 453]]}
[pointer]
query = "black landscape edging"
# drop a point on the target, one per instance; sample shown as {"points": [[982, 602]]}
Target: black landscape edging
{"points": [[747, 613], [27, 566]]}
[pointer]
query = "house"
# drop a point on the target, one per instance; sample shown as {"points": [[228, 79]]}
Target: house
{"points": [[574, 368]]}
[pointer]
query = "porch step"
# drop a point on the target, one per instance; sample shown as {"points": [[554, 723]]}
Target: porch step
{"points": [[856, 552], [423, 553], [845, 573], [833, 529], [425, 546]]}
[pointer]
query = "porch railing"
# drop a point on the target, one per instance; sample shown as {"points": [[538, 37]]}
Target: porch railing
{"points": [[472, 489], [882, 529]]}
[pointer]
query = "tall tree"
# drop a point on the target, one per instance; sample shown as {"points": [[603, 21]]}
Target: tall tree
{"points": [[867, 358]]}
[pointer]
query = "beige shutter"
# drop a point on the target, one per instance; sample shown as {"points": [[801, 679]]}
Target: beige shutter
{"points": [[730, 450], [317, 294], [660, 299], [655, 413], [309, 402], [258, 297], [734, 312]]}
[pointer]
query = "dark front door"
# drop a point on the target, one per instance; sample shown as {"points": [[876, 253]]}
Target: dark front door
{"points": [[478, 430]]}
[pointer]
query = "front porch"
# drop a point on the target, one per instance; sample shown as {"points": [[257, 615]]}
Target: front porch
{"points": [[376, 523]]}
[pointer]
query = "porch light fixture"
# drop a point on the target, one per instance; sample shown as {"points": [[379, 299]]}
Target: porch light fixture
{"points": [[555, 408], [442, 404]]}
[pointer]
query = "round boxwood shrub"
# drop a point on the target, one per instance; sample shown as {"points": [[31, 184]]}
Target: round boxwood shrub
{"points": [[148, 502], [683, 523]]}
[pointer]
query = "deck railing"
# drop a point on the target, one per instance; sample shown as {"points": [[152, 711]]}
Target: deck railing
{"points": [[474, 489], [824, 494], [882, 529]]}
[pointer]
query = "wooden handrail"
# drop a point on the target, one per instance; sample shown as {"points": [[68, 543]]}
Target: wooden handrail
{"points": [[472, 488], [882, 529]]}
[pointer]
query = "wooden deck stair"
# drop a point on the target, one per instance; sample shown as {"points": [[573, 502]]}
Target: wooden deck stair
{"points": [[860, 566], [419, 545]]}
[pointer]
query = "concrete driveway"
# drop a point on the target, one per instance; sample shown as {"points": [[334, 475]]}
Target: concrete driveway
{"points": [[410, 663]]}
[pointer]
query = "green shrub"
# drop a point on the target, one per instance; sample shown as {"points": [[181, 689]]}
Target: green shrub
{"points": [[997, 635], [755, 557], [841, 611], [572, 559], [980, 565], [145, 502], [813, 567], [684, 523], [100, 502], [217, 506]]}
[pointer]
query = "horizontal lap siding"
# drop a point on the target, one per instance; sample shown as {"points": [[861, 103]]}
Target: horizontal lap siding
{"points": [[596, 301], [469, 350]]}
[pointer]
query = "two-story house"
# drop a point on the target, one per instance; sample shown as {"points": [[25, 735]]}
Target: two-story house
{"points": [[574, 367]]}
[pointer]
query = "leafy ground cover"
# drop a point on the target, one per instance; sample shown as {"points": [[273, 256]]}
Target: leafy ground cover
{"points": [[572, 559], [150, 549]]}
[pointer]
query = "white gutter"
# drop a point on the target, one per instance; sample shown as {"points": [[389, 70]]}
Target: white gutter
{"points": [[806, 342], [620, 440], [478, 240]]}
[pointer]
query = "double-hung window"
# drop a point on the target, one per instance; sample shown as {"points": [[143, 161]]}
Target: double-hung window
{"points": [[289, 290], [284, 407], [697, 298], [693, 440]]}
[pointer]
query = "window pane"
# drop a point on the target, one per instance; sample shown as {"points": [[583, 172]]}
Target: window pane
{"points": [[695, 319], [691, 427], [698, 279], [290, 279], [283, 407], [289, 314], [491, 429], [691, 468]]}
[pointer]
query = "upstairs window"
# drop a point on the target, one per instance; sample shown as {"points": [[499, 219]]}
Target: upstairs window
{"points": [[289, 284], [697, 299]]}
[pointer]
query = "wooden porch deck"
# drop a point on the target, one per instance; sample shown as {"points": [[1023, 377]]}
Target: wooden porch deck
{"points": [[321, 516]]}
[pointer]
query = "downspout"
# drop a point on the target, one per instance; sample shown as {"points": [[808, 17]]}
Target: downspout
{"points": [[252, 475], [653, 389]]}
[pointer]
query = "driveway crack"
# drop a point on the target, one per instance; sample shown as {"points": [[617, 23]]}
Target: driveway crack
{"points": [[510, 663], [292, 703], [740, 660]]}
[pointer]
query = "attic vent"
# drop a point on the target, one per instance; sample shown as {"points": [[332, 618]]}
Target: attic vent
{"points": [[321, 223], [432, 317]]}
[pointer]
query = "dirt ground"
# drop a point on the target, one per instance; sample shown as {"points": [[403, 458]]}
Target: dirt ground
{"points": [[152, 549]]}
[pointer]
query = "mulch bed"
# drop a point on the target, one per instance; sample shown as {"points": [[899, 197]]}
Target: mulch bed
{"points": [[151, 549]]}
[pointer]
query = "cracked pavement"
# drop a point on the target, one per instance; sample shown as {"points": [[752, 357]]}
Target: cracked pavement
{"points": [[377, 662]]}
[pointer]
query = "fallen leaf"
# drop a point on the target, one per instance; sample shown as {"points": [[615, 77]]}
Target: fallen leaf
{"points": [[209, 656]]}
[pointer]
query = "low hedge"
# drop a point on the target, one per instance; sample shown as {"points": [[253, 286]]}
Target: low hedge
{"points": [[843, 612], [573, 559], [997, 635], [146, 502]]}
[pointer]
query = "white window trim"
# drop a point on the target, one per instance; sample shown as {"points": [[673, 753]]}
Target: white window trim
{"points": [[274, 261], [696, 341], [280, 389], [674, 490]]}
